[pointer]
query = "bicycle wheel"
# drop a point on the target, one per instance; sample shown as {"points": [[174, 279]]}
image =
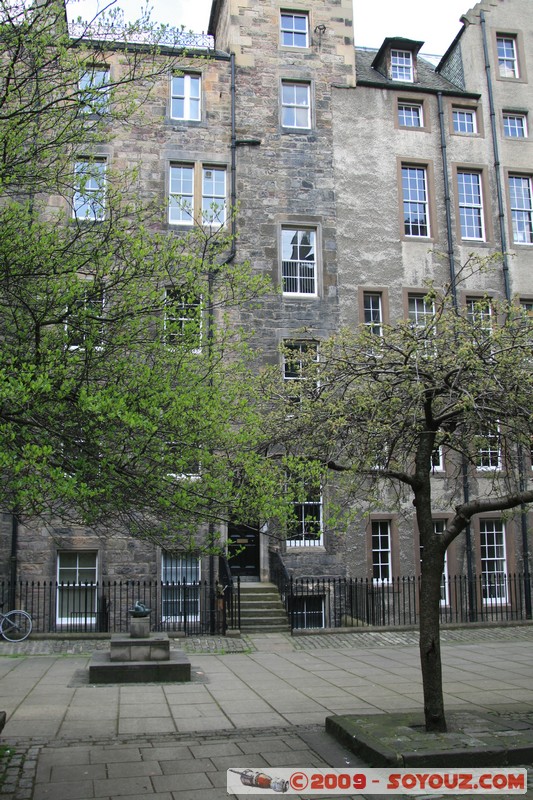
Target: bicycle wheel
{"points": [[16, 626]]}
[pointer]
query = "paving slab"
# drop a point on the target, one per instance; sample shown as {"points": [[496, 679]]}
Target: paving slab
{"points": [[264, 704]]}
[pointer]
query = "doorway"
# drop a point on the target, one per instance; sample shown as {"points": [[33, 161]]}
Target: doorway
{"points": [[243, 551]]}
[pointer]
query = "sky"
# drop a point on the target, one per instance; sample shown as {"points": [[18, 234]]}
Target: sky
{"points": [[435, 23]]}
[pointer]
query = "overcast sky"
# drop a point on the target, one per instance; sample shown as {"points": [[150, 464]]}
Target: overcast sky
{"points": [[435, 23]]}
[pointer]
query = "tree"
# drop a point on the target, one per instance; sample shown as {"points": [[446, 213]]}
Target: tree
{"points": [[375, 409], [57, 92], [122, 374]]}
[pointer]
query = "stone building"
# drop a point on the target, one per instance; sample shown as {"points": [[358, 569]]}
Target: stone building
{"points": [[359, 175]]}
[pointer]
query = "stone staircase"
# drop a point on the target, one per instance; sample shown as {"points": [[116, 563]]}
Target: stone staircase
{"points": [[261, 609]]}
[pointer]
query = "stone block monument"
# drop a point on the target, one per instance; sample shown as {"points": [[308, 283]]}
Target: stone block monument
{"points": [[141, 657]]}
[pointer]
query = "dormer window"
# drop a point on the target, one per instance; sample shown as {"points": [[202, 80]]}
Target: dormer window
{"points": [[396, 59], [402, 66]]}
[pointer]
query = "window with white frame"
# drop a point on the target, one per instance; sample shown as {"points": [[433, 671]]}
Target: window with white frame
{"points": [[294, 29], [185, 101], [180, 589], [214, 196], [299, 359], [410, 115], [507, 56], [296, 105], [515, 125], [421, 310], [464, 120], [181, 205], [493, 561], [373, 312], [305, 528], [439, 526], [521, 198], [184, 208], [298, 261], [488, 449], [381, 550], [183, 317], [90, 189], [77, 572], [94, 90], [470, 200], [480, 313], [415, 201], [402, 66]]}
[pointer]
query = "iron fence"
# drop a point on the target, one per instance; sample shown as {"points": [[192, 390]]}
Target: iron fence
{"points": [[353, 602], [197, 608], [103, 607]]}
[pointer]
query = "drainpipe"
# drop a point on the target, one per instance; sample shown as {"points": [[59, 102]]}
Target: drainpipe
{"points": [[507, 288], [231, 255], [451, 259], [447, 200], [210, 284], [211, 276], [497, 165]]}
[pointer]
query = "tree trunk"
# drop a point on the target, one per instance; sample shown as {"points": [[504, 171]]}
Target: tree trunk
{"points": [[430, 655], [432, 564]]}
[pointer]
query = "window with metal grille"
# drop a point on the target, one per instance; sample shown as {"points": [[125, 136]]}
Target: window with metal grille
{"points": [[180, 588], [298, 261]]}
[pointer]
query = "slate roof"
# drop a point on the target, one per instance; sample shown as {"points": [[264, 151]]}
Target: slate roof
{"points": [[428, 80]]}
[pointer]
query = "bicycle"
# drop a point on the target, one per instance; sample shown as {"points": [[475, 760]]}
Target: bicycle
{"points": [[15, 626]]}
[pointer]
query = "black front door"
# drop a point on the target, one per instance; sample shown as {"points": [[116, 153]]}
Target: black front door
{"points": [[243, 551]]}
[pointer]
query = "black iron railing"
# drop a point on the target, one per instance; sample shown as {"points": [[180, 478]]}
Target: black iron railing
{"points": [[230, 591], [353, 602], [311, 603], [103, 607]]}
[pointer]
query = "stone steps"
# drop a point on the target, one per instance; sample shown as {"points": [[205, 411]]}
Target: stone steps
{"points": [[261, 609]]}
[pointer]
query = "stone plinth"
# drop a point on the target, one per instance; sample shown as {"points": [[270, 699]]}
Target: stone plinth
{"points": [[154, 647], [139, 659], [176, 669], [139, 627]]}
